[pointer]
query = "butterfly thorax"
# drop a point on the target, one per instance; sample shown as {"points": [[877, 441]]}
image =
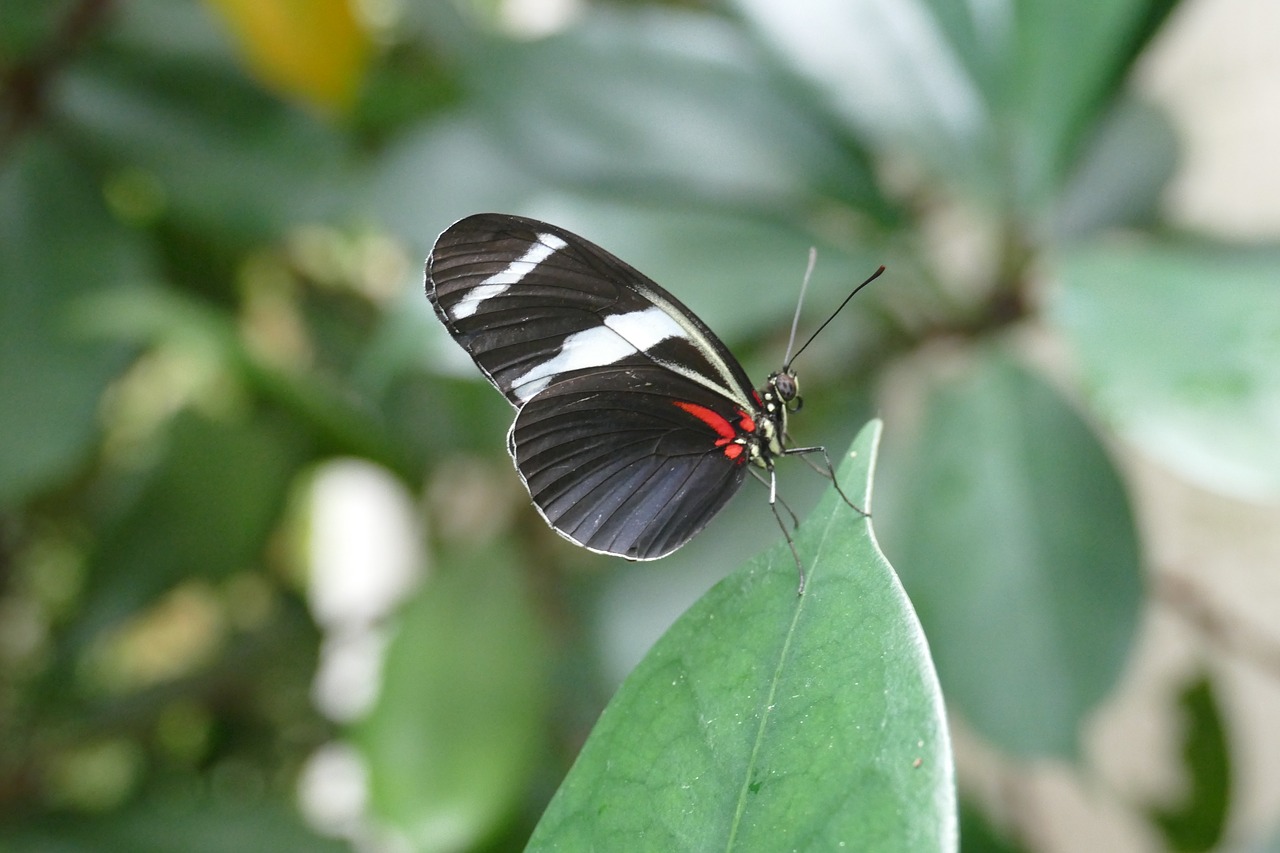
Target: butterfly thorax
{"points": [[779, 396]]}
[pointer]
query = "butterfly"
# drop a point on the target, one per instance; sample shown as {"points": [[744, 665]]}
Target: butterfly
{"points": [[634, 422]]}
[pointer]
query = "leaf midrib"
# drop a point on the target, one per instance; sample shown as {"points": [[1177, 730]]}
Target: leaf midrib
{"points": [[764, 721], [773, 687]]}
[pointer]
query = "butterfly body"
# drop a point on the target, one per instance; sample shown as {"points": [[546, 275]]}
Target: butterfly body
{"points": [[634, 423]]}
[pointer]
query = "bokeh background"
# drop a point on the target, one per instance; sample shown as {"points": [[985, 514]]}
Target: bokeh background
{"points": [[267, 579]]}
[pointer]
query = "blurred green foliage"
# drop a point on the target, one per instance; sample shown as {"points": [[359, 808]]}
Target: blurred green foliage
{"points": [[212, 225]]}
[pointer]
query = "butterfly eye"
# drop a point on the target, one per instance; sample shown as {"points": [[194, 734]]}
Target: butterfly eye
{"points": [[787, 387]]}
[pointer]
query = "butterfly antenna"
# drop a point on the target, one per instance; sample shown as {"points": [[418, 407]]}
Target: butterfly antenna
{"points": [[790, 358], [804, 285]]}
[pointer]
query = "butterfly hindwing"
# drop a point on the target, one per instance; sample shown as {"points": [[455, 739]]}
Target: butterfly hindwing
{"points": [[532, 302], [629, 460]]}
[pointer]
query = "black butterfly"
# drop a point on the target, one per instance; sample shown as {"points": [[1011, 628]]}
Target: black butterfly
{"points": [[634, 423]]}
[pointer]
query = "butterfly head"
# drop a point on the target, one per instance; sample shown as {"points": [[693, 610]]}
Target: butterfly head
{"points": [[786, 388]]}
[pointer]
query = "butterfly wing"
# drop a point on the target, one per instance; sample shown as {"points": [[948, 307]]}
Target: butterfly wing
{"points": [[632, 413], [531, 302], [629, 460]]}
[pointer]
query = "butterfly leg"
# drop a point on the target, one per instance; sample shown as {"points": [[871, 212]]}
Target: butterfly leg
{"points": [[773, 505], [795, 519], [829, 472]]}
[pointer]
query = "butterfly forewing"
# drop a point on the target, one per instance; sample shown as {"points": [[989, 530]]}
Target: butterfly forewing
{"points": [[530, 302]]}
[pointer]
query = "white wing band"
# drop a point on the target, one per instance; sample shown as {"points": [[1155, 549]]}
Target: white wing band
{"points": [[499, 283], [620, 336]]}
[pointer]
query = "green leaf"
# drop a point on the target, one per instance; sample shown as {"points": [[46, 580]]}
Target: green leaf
{"points": [[1121, 174], [1180, 349], [466, 167], [331, 417], [57, 244], [996, 96], [28, 26], [764, 720], [204, 510], [585, 119], [1011, 528], [227, 823], [1197, 823], [977, 835], [1048, 92], [665, 105], [1266, 844], [160, 87], [888, 71], [456, 732]]}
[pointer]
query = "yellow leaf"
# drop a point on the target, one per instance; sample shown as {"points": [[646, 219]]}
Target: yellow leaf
{"points": [[316, 50]]}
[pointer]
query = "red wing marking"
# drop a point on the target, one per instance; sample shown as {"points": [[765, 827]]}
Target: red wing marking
{"points": [[712, 419], [729, 437]]}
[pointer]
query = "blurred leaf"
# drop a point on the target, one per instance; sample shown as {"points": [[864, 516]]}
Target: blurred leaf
{"points": [[562, 129], [57, 243], [661, 105], [154, 109], [314, 49], [205, 510], [334, 416], [463, 417], [1048, 92], [1267, 844], [1180, 347], [978, 836], [437, 173], [671, 110], [890, 72], [212, 824], [764, 720], [995, 96], [26, 26], [1197, 823], [1012, 530], [458, 725], [1122, 173]]}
